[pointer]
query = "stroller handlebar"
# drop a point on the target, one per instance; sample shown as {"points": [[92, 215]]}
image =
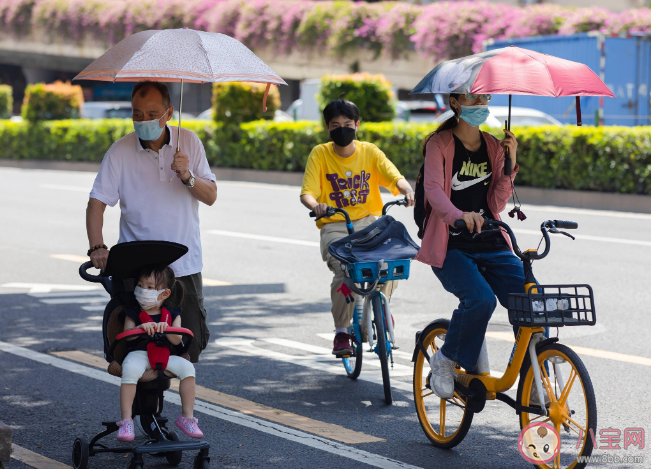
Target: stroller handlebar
{"points": [[105, 280], [138, 331]]}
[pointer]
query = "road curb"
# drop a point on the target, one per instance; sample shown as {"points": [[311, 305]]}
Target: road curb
{"points": [[528, 195]]}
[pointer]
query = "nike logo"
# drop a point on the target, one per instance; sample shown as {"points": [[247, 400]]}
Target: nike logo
{"points": [[461, 185]]}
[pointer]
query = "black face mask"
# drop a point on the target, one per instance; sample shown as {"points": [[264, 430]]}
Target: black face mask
{"points": [[342, 136]]}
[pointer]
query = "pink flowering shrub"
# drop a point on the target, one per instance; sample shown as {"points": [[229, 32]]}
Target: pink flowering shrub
{"points": [[583, 20], [455, 29], [629, 22], [438, 30], [396, 27], [356, 28], [537, 20]]}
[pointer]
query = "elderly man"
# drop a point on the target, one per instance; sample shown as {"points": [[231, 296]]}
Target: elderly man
{"points": [[137, 171]]}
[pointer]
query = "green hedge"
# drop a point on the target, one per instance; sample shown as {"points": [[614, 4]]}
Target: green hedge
{"points": [[372, 94], [609, 159], [6, 101]]}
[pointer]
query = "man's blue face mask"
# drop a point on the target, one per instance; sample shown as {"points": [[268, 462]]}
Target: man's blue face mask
{"points": [[474, 115], [149, 130]]}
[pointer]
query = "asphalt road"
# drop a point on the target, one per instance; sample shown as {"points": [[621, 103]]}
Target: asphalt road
{"points": [[269, 307]]}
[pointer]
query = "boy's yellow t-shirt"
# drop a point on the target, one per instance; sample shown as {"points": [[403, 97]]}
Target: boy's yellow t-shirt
{"points": [[351, 183]]}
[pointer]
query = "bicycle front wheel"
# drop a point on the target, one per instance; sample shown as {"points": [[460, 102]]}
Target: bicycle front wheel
{"points": [[444, 421], [571, 403], [378, 320]]}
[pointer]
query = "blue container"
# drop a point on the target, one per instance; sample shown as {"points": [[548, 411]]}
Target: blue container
{"points": [[361, 272], [623, 63]]}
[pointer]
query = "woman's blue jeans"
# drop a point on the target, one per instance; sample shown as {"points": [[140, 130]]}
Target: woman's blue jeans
{"points": [[476, 279]]}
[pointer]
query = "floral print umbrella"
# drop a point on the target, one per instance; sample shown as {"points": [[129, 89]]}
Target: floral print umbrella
{"points": [[181, 55]]}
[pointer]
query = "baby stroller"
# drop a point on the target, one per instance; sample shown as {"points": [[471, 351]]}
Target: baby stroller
{"points": [[123, 266]]}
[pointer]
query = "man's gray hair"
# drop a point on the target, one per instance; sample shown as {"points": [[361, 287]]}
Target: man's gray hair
{"points": [[142, 87]]}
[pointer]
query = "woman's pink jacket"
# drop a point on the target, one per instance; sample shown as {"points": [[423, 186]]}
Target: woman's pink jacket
{"points": [[439, 155]]}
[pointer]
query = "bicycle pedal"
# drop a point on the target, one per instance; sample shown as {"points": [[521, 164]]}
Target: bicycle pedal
{"points": [[345, 356]]}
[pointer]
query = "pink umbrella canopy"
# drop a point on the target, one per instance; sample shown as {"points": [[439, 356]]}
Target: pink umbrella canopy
{"points": [[513, 70]]}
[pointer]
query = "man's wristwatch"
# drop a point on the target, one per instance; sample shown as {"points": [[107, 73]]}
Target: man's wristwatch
{"points": [[191, 182]]}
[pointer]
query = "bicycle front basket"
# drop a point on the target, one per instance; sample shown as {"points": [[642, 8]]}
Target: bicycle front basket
{"points": [[553, 306]]}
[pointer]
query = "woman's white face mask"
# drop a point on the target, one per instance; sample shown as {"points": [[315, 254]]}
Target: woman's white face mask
{"points": [[148, 299]]}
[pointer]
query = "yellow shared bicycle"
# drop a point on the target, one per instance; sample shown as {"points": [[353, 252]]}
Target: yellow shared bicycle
{"points": [[568, 404]]}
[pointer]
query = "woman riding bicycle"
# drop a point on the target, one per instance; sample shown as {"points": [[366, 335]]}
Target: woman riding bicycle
{"points": [[464, 180]]}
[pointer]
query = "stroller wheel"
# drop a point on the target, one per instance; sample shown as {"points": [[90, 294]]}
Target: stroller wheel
{"points": [[80, 454], [133, 464], [173, 457], [200, 463]]}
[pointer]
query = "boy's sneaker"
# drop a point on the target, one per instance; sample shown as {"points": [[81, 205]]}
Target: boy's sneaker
{"points": [[189, 426], [125, 432], [341, 344], [442, 380]]}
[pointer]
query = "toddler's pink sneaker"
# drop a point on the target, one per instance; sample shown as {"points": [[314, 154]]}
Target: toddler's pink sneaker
{"points": [[190, 426], [126, 433]]}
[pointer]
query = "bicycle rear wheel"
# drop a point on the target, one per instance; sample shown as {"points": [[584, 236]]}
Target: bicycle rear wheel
{"points": [[353, 364], [378, 320], [572, 405], [445, 422]]}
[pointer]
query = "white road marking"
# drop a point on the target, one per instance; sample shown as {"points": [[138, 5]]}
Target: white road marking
{"points": [[327, 353], [322, 363], [273, 239], [94, 308], [264, 426], [330, 336], [66, 188], [70, 257], [48, 287], [591, 238], [585, 211]]}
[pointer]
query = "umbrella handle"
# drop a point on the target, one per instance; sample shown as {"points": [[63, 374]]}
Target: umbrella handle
{"points": [[507, 160]]}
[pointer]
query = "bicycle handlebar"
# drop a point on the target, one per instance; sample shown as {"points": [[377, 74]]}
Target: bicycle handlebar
{"points": [[385, 209], [549, 226]]}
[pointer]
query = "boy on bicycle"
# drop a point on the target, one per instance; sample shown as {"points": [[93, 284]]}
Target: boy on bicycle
{"points": [[347, 174]]}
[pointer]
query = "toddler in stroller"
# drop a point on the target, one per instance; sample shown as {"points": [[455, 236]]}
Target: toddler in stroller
{"points": [[160, 297], [146, 346]]}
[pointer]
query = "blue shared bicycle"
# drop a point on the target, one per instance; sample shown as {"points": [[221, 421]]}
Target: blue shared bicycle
{"points": [[364, 279]]}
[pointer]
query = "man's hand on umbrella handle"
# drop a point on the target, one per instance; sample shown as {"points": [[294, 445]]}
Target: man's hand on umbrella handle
{"points": [[511, 143], [181, 165], [99, 258]]}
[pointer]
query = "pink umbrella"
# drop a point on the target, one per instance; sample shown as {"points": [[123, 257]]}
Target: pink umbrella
{"points": [[513, 70], [181, 55]]}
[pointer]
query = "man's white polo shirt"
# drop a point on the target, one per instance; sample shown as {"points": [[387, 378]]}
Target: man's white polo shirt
{"points": [[151, 207]]}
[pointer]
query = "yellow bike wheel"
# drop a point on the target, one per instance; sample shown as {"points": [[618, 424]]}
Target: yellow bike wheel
{"points": [[572, 405], [445, 422]]}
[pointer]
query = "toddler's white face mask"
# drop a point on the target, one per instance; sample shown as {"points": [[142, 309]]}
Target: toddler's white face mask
{"points": [[148, 299]]}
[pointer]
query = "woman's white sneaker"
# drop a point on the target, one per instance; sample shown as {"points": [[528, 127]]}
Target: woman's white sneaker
{"points": [[442, 380]]}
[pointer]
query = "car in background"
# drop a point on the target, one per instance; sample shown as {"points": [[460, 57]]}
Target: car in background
{"points": [[117, 110], [520, 116], [279, 116], [418, 111]]}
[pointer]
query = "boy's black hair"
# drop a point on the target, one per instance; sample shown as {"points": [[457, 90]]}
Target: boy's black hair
{"points": [[164, 276], [340, 107]]}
